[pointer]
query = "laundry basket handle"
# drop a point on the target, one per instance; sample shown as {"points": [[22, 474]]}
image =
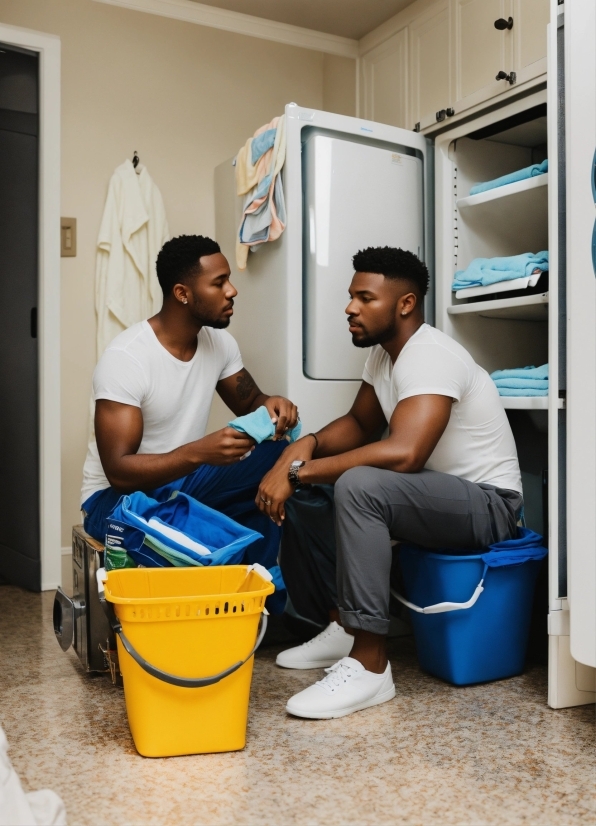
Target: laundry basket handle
{"points": [[442, 607], [172, 679]]}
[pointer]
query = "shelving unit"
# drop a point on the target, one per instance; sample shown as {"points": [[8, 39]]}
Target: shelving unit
{"points": [[521, 308], [528, 194], [529, 402]]}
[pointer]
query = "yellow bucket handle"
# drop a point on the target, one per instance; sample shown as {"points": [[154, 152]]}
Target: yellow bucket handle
{"points": [[172, 679]]}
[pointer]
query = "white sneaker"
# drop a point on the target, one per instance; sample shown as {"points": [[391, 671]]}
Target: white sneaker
{"points": [[347, 687], [325, 649]]}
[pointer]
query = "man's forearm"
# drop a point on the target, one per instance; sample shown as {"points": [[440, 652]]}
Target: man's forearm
{"points": [[145, 471], [383, 455], [339, 436]]}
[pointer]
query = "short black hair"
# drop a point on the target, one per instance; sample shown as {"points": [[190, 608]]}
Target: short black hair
{"points": [[180, 256], [393, 262]]}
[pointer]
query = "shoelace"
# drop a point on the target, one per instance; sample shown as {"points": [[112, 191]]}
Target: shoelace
{"points": [[336, 675], [327, 632]]}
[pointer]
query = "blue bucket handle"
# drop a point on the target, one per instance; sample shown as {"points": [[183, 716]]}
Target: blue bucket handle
{"points": [[442, 607]]}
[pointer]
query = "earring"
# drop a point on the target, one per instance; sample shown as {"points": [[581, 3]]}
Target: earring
{"points": [[404, 313], [185, 301]]}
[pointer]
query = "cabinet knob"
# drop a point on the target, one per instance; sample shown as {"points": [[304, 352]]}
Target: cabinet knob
{"points": [[450, 112], [501, 24], [440, 116], [511, 78]]}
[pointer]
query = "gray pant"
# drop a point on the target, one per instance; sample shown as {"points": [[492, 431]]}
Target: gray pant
{"points": [[431, 509]]}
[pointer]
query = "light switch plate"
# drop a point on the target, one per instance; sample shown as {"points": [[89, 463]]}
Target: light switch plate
{"points": [[68, 237]]}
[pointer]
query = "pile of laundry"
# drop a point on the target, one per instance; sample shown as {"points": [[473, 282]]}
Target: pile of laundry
{"points": [[519, 175], [489, 275], [258, 179], [522, 381]]}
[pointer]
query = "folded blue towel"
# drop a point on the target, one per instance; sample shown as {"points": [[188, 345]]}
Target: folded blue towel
{"points": [[521, 391], [525, 373], [258, 426], [519, 175], [484, 271], [517, 384], [261, 144]]}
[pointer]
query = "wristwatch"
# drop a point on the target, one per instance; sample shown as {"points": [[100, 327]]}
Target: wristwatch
{"points": [[293, 474]]}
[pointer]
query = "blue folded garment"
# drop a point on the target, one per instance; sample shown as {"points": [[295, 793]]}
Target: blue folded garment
{"points": [[484, 271], [521, 391], [519, 175], [258, 426], [516, 384], [525, 373]]}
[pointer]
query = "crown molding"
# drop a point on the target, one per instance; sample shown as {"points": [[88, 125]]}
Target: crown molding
{"points": [[246, 24]]}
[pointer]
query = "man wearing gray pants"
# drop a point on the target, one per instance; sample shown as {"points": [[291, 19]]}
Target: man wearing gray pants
{"points": [[447, 474]]}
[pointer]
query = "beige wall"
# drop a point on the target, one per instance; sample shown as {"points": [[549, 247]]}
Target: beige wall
{"points": [[339, 85], [184, 96]]}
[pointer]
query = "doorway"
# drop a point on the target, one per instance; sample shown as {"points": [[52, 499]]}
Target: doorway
{"points": [[30, 298], [20, 558]]}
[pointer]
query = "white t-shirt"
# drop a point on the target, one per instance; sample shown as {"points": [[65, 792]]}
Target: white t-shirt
{"points": [[175, 396], [477, 443]]}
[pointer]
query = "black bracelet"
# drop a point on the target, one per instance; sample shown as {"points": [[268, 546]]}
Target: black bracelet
{"points": [[314, 435]]}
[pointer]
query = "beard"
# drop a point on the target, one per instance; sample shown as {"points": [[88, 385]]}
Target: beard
{"points": [[370, 339], [206, 319]]}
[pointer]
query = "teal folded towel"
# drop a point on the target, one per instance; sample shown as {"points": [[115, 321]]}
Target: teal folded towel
{"points": [[484, 271], [519, 175], [522, 381], [525, 373], [258, 426], [521, 391], [517, 384]]}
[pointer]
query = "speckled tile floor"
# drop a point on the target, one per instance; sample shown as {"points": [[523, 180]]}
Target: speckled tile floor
{"points": [[492, 754]]}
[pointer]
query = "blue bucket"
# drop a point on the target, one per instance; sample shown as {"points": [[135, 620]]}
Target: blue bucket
{"points": [[471, 622]]}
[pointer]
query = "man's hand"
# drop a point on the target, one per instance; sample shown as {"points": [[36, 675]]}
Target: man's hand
{"points": [[273, 491], [283, 414], [224, 447]]}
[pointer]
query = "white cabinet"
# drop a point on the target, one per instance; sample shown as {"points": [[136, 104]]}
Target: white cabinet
{"points": [[430, 64], [530, 18], [481, 50], [385, 87], [443, 56]]}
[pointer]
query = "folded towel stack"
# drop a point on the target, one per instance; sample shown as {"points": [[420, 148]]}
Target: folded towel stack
{"points": [[484, 271], [513, 177], [258, 167], [522, 381]]}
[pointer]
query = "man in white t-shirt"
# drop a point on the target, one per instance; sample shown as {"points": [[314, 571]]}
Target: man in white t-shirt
{"points": [[153, 388], [447, 475]]}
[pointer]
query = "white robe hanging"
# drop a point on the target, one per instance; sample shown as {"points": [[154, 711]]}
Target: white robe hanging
{"points": [[132, 232]]}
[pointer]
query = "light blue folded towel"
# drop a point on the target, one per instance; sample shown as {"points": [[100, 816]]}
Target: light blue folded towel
{"points": [[521, 391], [258, 426], [526, 373], [522, 381], [484, 271], [519, 175], [520, 384]]}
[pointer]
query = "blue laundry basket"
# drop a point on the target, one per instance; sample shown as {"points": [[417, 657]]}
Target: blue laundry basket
{"points": [[471, 613]]}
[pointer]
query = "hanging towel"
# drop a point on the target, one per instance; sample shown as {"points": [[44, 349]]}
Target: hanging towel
{"points": [[258, 179], [133, 230], [522, 381], [483, 271], [258, 426], [519, 175]]}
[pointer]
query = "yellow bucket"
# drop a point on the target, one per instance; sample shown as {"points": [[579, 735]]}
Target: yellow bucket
{"points": [[186, 639]]}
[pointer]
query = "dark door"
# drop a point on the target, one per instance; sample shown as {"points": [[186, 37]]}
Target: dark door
{"points": [[20, 561]]}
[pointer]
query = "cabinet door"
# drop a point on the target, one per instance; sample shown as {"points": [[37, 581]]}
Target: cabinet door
{"points": [[386, 82], [430, 64], [531, 18], [481, 50]]}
